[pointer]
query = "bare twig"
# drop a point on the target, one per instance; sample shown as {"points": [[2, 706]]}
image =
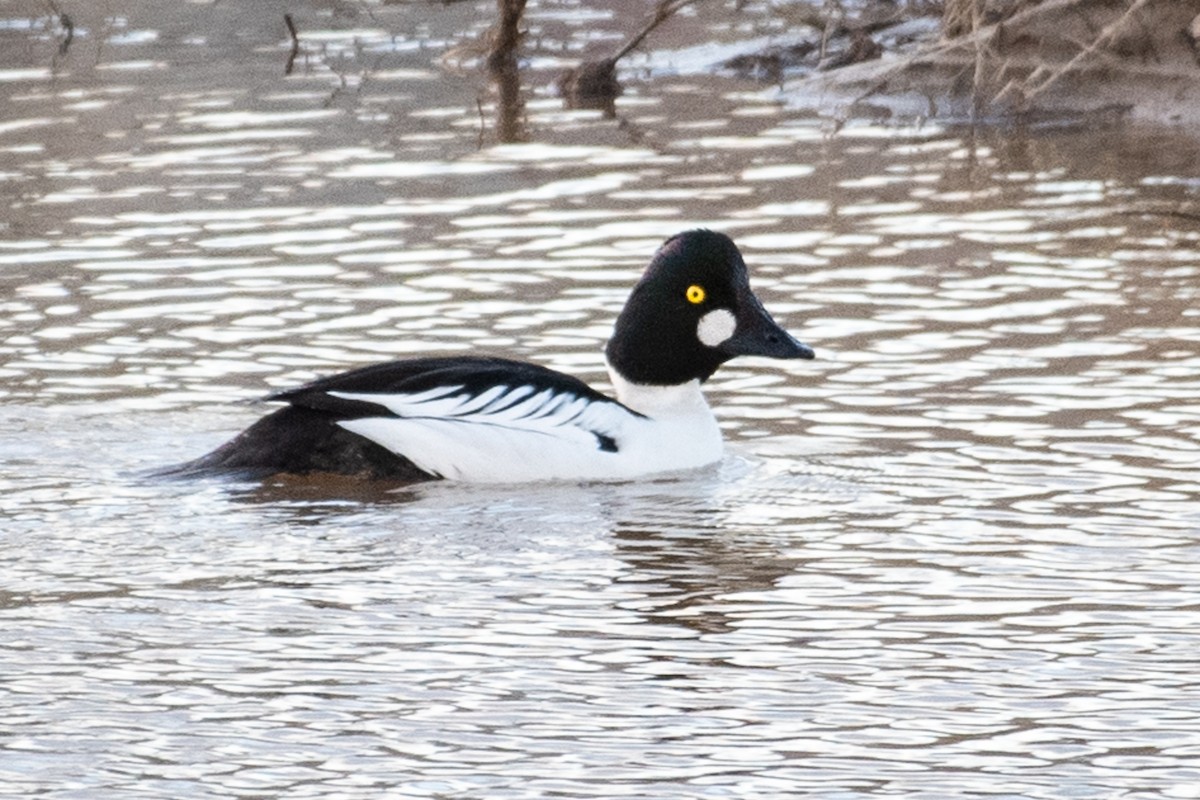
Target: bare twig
{"points": [[594, 83], [978, 45], [834, 15], [665, 10], [980, 61], [482, 121], [291, 26], [64, 19], [1050, 77]]}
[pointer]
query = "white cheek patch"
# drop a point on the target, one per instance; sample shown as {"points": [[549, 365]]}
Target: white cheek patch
{"points": [[715, 327]]}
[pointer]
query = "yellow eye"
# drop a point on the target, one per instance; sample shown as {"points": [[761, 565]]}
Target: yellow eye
{"points": [[695, 294]]}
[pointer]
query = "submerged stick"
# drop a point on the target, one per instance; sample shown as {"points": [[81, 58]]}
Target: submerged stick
{"points": [[596, 81], [503, 63], [291, 26], [64, 19], [506, 35]]}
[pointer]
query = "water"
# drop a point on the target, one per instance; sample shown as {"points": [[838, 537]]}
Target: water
{"points": [[954, 556]]}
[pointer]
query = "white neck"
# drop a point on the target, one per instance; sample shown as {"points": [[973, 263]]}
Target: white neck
{"points": [[657, 402]]}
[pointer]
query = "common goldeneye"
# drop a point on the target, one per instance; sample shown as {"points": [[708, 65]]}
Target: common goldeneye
{"points": [[481, 419]]}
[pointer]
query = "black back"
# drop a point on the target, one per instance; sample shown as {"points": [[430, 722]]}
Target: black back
{"points": [[304, 437], [476, 374]]}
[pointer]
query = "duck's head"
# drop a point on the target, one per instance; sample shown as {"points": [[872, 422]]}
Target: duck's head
{"points": [[692, 311]]}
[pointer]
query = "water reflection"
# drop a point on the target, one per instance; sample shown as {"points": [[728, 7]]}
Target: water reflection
{"points": [[959, 545]]}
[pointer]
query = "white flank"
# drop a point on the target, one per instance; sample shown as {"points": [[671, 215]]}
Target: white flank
{"points": [[715, 327], [517, 434]]}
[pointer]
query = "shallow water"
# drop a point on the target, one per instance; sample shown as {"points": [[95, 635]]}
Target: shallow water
{"points": [[954, 556]]}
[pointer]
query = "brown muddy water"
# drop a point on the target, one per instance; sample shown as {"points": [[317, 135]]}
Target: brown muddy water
{"points": [[954, 556]]}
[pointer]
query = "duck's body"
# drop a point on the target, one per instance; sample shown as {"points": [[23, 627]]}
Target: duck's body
{"points": [[482, 420], [495, 420]]}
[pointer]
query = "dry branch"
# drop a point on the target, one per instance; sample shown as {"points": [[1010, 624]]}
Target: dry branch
{"points": [[1008, 63], [595, 82], [1029, 88]]}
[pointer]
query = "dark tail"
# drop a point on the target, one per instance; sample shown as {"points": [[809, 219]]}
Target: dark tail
{"points": [[299, 441]]}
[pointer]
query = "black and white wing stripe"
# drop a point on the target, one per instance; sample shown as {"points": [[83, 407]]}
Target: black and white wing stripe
{"points": [[476, 419]]}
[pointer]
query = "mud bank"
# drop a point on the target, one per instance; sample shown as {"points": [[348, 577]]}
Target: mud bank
{"points": [[1060, 60]]}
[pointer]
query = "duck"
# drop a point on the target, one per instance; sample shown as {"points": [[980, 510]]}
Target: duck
{"points": [[489, 419]]}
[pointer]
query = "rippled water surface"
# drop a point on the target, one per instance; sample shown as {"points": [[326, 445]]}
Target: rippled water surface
{"points": [[954, 556]]}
